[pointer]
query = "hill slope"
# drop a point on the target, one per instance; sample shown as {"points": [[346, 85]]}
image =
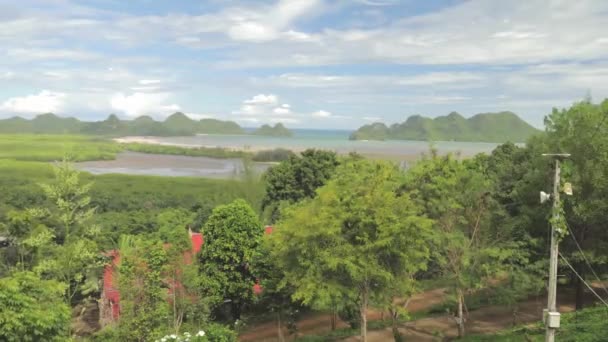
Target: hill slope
{"points": [[277, 131], [484, 127], [175, 125]]}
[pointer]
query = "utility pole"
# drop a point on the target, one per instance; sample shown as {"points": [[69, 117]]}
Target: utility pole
{"points": [[552, 317]]}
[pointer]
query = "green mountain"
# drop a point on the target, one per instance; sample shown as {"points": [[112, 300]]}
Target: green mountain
{"points": [[175, 125], [277, 131], [485, 127]]}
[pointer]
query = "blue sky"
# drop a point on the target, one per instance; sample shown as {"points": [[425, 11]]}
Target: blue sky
{"points": [[306, 63]]}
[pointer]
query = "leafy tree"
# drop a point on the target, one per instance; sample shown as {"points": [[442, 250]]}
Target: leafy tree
{"points": [[70, 198], [275, 295], [473, 248], [581, 131], [143, 292], [232, 234], [32, 309], [297, 178], [74, 258], [354, 242]]}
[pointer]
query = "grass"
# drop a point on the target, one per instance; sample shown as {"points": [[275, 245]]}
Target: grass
{"points": [[273, 155], [30, 147], [214, 152], [588, 325]]}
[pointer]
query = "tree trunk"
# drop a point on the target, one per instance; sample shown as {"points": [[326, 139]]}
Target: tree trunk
{"points": [[580, 294], [396, 333], [363, 312], [460, 317], [334, 315], [279, 328], [236, 310]]}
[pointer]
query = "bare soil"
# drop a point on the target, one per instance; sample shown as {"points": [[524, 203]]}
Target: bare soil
{"points": [[439, 327]]}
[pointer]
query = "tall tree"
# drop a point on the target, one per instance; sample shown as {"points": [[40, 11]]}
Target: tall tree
{"points": [[581, 131], [354, 241], [144, 309], [297, 178], [472, 250], [232, 234]]}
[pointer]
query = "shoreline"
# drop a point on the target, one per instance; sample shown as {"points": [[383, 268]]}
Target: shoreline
{"points": [[153, 140]]}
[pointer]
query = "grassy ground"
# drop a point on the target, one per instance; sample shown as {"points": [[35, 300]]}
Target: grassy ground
{"points": [[54, 147], [588, 325], [32, 147]]}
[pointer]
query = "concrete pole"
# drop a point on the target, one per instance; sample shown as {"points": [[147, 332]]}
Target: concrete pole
{"points": [[552, 291]]}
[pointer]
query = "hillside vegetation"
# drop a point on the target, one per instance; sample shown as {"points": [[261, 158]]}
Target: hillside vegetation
{"points": [[175, 125], [486, 127], [278, 130]]}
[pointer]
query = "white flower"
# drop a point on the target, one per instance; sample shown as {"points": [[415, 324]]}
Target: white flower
{"points": [[200, 333], [173, 336]]}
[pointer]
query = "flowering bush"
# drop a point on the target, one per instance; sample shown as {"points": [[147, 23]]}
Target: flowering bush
{"points": [[186, 336], [214, 333]]}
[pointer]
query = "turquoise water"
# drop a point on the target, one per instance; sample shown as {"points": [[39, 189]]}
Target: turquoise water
{"points": [[335, 140]]}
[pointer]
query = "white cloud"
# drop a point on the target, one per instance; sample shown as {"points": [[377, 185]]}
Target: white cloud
{"points": [[301, 80], [148, 82], [262, 99], [281, 110], [32, 54], [372, 118], [321, 114], [142, 103], [199, 116], [43, 102]]}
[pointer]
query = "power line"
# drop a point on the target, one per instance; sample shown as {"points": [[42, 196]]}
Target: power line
{"points": [[583, 280], [586, 260]]}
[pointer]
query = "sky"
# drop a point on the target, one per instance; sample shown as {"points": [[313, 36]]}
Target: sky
{"points": [[307, 63]]}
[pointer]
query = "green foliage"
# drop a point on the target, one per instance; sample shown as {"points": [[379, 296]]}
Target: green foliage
{"points": [[143, 293], [487, 127], [297, 178], [273, 155], [473, 247], [54, 147], [232, 234], [353, 242], [278, 130], [32, 309], [176, 124], [214, 152]]}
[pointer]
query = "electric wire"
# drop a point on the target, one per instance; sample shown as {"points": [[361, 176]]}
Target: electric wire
{"points": [[583, 280], [586, 260]]}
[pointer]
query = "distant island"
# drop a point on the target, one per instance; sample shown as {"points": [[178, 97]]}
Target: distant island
{"points": [[484, 127], [177, 124], [277, 131]]}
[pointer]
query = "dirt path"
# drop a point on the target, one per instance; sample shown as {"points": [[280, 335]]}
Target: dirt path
{"points": [[481, 321], [321, 323]]}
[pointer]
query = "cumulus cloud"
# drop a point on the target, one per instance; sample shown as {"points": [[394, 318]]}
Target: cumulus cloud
{"points": [[43, 102], [321, 114], [142, 103], [148, 82], [263, 99]]}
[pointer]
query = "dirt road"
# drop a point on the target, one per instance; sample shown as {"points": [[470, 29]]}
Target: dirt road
{"points": [[483, 320]]}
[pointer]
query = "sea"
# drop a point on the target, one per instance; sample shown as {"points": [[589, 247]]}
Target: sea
{"points": [[333, 140], [402, 152]]}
